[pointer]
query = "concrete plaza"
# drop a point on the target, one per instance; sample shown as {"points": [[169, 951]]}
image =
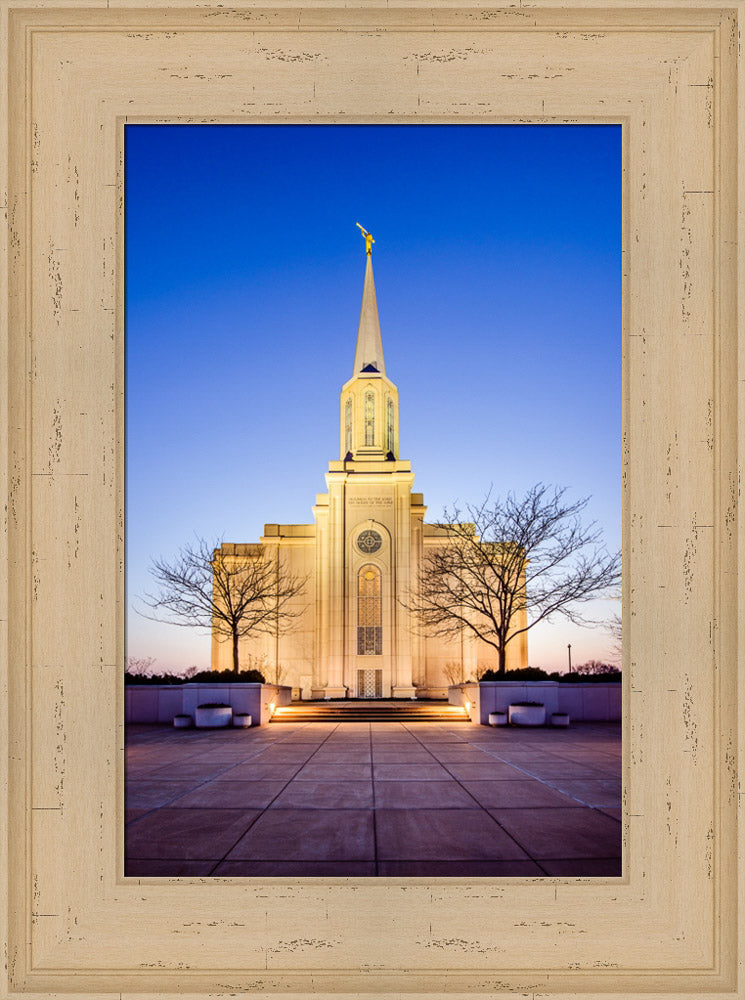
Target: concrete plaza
{"points": [[365, 799]]}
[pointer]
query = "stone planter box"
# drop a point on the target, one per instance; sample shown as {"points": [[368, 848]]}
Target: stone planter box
{"points": [[497, 718], [583, 702], [242, 721], [527, 715], [152, 703], [560, 719], [213, 717], [182, 722]]}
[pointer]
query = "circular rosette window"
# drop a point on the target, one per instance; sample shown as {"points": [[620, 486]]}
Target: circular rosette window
{"points": [[369, 541]]}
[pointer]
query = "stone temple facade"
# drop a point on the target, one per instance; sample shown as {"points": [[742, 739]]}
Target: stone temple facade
{"points": [[352, 636]]}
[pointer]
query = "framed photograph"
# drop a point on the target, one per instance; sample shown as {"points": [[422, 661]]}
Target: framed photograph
{"points": [[76, 75], [259, 367]]}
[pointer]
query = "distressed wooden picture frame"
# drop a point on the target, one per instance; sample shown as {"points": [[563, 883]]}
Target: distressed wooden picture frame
{"points": [[76, 72]]}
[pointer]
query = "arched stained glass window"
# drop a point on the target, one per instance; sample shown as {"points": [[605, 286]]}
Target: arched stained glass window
{"points": [[389, 426], [348, 426], [370, 418], [369, 612]]}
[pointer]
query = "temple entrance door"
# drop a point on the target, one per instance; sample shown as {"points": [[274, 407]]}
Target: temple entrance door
{"points": [[369, 683]]}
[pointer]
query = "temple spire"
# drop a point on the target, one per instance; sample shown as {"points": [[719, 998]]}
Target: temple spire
{"points": [[369, 356]]}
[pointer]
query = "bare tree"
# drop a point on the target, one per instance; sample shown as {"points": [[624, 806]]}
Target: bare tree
{"points": [[278, 673], [139, 666], [614, 627], [454, 672], [230, 590], [596, 667], [505, 565]]}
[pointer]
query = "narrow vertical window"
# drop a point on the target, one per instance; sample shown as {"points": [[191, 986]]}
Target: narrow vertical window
{"points": [[348, 426], [369, 612], [389, 426], [370, 418]]}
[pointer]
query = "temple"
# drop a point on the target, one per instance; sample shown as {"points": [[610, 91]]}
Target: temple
{"points": [[352, 635]]}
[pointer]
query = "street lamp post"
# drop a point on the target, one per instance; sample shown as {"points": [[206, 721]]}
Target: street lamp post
{"points": [[569, 648]]}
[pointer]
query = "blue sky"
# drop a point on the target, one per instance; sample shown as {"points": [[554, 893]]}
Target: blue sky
{"points": [[498, 275]]}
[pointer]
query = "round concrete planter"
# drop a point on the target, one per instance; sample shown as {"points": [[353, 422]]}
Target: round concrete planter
{"points": [[560, 719], [213, 716], [527, 715], [497, 718], [242, 721], [182, 722]]}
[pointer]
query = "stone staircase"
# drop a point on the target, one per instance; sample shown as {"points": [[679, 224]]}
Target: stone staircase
{"points": [[368, 710]]}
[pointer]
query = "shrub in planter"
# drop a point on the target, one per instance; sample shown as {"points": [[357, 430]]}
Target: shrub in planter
{"points": [[610, 678], [497, 718], [242, 720], [227, 677], [213, 714], [182, 721], [203, 677], [521, 674], [560, 719], [490, 675], [140, 679]]}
